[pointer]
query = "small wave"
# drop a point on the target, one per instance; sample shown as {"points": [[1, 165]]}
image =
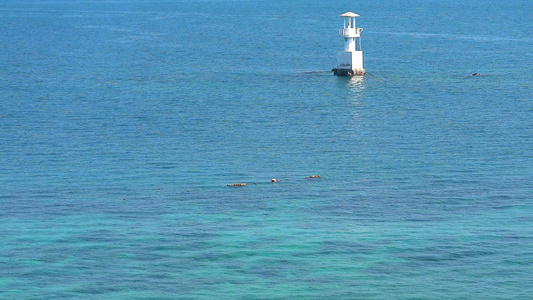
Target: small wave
{"points": [[484, 38], [316, 72]]}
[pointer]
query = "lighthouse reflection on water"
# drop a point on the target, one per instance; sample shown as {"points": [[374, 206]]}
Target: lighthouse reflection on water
{"points": [[356, 84]]}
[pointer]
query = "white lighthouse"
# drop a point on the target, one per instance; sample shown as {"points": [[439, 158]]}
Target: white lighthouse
{"points": [[350, 61]]}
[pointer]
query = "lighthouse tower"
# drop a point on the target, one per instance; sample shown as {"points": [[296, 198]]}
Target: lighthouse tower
{"points": [[350, 61]]}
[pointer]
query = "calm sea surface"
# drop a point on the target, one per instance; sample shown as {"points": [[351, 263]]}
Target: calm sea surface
{"points": [[122, 122]]}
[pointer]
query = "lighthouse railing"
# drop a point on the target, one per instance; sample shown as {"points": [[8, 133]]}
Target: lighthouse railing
{"points": [[351, 32]]}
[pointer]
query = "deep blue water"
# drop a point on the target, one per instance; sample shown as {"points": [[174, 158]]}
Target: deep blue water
{"points": [[122, 122]]}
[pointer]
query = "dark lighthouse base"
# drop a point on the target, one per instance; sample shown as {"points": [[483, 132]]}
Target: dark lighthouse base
{"points": [[348, 72]]}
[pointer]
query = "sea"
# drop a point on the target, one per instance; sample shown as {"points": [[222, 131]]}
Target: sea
{"points": [[122, 123]]}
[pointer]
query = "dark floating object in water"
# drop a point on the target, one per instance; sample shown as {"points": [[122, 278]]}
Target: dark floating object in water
{"points": [[313, 176], [476, 74], [237, 184]]}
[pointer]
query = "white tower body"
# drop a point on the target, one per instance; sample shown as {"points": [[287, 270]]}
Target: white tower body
{"points": [[350, 61]]}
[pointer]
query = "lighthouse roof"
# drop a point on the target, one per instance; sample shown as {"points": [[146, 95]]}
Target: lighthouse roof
{"points": [[349, 14]]}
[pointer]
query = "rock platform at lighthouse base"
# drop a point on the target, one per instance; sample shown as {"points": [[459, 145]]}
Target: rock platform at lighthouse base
{"points": [[348, 72]]}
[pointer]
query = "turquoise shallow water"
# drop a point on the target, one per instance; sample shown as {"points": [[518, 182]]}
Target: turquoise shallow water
{"points": [[122, 122]]}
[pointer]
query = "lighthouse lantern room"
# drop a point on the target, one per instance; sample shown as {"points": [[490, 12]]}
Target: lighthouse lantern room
{"points": [[350, 61]]}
